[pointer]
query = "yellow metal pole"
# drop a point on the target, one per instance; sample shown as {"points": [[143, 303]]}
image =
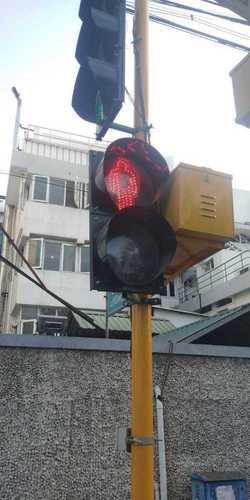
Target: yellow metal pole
{"points": [[142, 405], [142, 448], [141, 23]]}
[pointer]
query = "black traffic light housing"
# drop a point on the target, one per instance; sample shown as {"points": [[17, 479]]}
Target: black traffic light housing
{"points": [[130, 242], [99, 88]]}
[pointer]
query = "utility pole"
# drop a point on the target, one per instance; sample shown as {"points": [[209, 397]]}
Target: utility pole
{"points": [[142, 439]]}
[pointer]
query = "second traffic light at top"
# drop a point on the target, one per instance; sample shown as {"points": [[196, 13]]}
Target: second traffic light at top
{"points": [[131, 243], [99, 88]]}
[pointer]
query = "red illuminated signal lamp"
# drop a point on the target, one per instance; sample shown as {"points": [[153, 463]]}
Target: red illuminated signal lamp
{"points": [[133, 173], [123, 182]]}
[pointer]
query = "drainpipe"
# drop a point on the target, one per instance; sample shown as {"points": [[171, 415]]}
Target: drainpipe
{"points": [[161, 445], [17, 119]]}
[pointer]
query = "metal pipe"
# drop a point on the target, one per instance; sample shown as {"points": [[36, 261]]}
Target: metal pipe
{"points": [[161, 444], [17, 118], [106, 318]]}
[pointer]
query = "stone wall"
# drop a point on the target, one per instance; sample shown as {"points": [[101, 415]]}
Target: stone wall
{"points": [[59, 411]]}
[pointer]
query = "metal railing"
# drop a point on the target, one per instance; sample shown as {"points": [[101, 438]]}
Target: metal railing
{"points": [[233, 267], [58, 144], [61, 137]]}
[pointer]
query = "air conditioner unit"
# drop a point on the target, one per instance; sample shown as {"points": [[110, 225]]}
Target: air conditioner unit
{"points": [[50, 325]]}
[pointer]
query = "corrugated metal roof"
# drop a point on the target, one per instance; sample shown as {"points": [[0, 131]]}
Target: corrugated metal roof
{"points": [[193, 331], [121, 322]]}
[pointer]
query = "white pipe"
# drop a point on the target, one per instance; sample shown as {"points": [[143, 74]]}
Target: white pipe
{"points": [[161, 445], [17, 119]]}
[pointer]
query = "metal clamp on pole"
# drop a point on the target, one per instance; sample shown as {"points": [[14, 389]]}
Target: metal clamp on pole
{"points": [[142, 441], [138, 440], [136, 298]]}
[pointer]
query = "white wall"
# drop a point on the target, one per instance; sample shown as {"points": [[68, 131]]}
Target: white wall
{"points": [[177, 318], [73, 287], [53, 220], [241, 201], [50, 167]]}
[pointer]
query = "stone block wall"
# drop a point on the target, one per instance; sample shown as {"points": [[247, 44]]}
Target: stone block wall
{"points": [[60, 409]]}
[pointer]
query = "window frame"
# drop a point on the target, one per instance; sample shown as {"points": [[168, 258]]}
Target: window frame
{"points": [[49, 240], [41, 261], [82, 187], [47, 188], [74, 191], [64, 191], [86, 195], [62, 256], [24, 321], [86, 245]]}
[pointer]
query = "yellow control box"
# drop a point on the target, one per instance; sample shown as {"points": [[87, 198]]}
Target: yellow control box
{"points": [[199, 206]]}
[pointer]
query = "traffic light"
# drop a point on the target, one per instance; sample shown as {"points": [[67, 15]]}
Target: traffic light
{"points": [[99, 88], [130, 242]]}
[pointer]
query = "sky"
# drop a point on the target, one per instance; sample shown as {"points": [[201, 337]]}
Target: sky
{"points": [[191, 103]]}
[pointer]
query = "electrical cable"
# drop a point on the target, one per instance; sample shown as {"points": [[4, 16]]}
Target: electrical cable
{"points": [[52, 294], [11, 241], [53, 183], [200, 34], [201, 11], [167, 369], [201, 20]]}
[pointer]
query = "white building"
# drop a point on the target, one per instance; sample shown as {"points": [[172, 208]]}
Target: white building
{"points": [[223, 280], [47, 216]]}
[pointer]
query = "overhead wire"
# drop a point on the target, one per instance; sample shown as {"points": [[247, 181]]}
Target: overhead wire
{"points": [[201, 20], [67, 304], [178, 5], [194, 32], [53, 183]]}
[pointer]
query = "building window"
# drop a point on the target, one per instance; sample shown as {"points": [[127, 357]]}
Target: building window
{"points": [[70, 195], [29, 312], [28, 327], [40, 188], [69, 257], [47, 311], [35, 252], [172, 289], [52, 255], [85, 259], [60, 192], [56, 191]]}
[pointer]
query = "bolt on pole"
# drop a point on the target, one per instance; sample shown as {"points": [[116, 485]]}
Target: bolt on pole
{"points": [[142, 447]]}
